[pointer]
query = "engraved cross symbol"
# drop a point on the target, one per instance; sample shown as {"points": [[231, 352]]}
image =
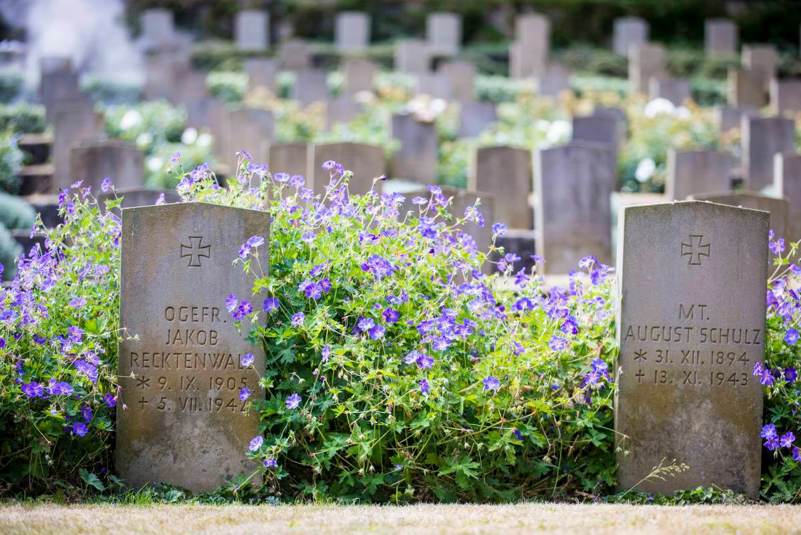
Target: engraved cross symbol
{"points": [[195, 250], [695, 249]]}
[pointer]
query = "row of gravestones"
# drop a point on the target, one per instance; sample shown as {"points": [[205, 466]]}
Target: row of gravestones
{"points": [[691, 283]]}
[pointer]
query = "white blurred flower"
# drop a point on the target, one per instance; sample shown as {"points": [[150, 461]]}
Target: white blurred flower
{"points": [[438, 106], [364, 97], [154, 164], [683, 113], [144, 139], [658, 106], [558, 132], [204, 140], [131, 119], [645, 170], [189, 136]]}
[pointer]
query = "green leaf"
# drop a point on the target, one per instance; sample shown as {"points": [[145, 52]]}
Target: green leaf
{"points": [[92, 480]]}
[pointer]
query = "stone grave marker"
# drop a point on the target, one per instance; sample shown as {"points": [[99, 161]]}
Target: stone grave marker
{"points": [[785, 96], [762, 61], [528, 54], [435, 85], [728, 117], [180, 420], [262, 72], [352, 31], [417, 157], [720, 37], [745, 89], [762, 138], [461, 76], [688, 345], [475, 117], [444, 33], [628, 32], [676, 90], [505, 171], [294, 55], [572, 184], [252, 30], [73, 124], [251, 130], [359, 75], [135, 197], [342, 109], [118, 160], [646, 61], [158, 28], [291, 158], [366, 161], [311, 85], [787, 184], [412, 56], [698, 171], [776, 207], [598, 128], [219, 126], [553, 81]]}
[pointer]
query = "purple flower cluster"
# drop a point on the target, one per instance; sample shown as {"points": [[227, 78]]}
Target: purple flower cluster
{"points": [[239, 310]]}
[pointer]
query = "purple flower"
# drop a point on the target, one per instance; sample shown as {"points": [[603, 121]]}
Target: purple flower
{"points": [[87, 369], [791, 336], [293, 401], [378, 266], [298, 318], [59, 388], [376, 332], [796, 454], [787, 439], [243, 310], [523, 304], [768, 431], [231, 303], [498, 229], [80, 429], [255, 443], [424, 361], [109, 400], [491, 383], [326, 353], [106, 185], [365, 324], [270, 463], [246, 360], [557, 343], [776, 247], [767, 378], [86, 413], [518, 435], [790, 375], [244, 393], [569, 326], [391, 315], [425, 388], [33, 389], [252, 243], [270, 304], [77, 302]]}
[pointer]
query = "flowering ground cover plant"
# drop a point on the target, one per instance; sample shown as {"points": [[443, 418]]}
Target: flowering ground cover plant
{"points": [[396, 370]]}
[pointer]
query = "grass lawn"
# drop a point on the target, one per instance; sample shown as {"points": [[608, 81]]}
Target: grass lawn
{"points": [[424, 519]]}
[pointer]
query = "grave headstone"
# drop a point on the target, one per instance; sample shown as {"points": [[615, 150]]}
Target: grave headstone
{"points": [[311, 85], [367, 162], [505, 171], [294, 55], [58, 84], [761, 60], [444, 33], [158, 28], [262, 72], [250, 130], [528, 54], [118, 160], [252, 30], [553, 81], [416, 158], [182, 364], [698, 171], [598, 128], [787, 184], [686, 394], [359, 75], [342, 109], [676, 90], [352, 31], [291, 158], [629, 32], [572, 184], [720, 37], [785, 96], [136, 197], [412, 56], [744, 89], [777, 208], [646, 61], [72, 125], [461, 76], [761, 139], [435, 85], [729, 117], [475, 117]]}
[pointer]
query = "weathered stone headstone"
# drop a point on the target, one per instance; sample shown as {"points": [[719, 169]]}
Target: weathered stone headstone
{"points": [[572, 184], [118, 160], [598, 128], [181, 420], [262, 72], [58, 84], [698, 171], [461, 76], [762, 61], [528, 54], [359, 75], [291, 158], [412, 56], [158, 28], [688, 344], [629, 32], [220, 126], [785, 96], [553, 81], [505, 171], [311, 85], [435, 85], [352, 31], [676, 90], [475, 117], [251, 130], [444, 33], [135, 197], [745, 89], [729, 117], [762, 138], [252, 30], [294, 55], [646, 61], [366, 161], [342, 109], [720, 37], [72, 125], [776, 207], [416, 158], [787, 184]]}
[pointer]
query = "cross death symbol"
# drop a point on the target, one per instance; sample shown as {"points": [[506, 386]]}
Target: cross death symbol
{"points": [[639, 376], [695, 249], [640, 355], [195, 250]]}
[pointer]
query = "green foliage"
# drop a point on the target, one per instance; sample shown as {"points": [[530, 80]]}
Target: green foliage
{"points": [[109, 92], [22, 118], [11, 158], [10, 85], [228, 86], [9, 251], [15, 213]]}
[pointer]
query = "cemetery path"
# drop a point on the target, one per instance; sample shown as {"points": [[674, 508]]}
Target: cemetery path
{"points": [[45, 519]]}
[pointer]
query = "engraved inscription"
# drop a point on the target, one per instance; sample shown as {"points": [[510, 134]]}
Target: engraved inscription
{"points": [[695, 249], [195, 251]]}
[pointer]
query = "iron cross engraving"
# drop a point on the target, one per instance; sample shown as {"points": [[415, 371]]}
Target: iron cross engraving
{"points": [[195, 251], [695, 249]]}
